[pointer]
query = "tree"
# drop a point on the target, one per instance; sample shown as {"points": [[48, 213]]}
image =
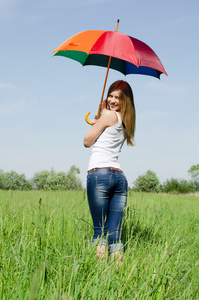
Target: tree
{"points": [[39, 179], [13, 181], [74, 183], [147, 182], [51, 181], [194, 173], [62, 180], [57, 181], [1, 179]]}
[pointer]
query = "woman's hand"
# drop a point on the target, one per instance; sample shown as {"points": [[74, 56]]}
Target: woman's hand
{"points": [[108, 118], [94, 121]]}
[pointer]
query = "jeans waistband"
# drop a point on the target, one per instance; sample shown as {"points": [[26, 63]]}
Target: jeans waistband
{"points": [[108, 168]]}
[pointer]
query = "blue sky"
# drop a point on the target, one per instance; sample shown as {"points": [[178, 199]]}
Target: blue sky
{"points": [[43, 99]]}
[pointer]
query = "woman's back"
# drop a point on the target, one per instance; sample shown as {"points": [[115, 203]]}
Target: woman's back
{"points": [[107, 147]]}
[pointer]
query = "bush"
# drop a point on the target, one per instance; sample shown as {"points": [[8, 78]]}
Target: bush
{"points": [[178, 186], [148, 182]]}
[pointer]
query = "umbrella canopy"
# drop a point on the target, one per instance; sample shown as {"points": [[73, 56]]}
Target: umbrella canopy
{"points": [[128, 55], [111, 49]]}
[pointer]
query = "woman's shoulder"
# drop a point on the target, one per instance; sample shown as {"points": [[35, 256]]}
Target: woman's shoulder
{"points": [[110, 116]]}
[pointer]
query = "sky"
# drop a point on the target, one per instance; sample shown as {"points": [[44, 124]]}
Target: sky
{"points": [[44, 99]]}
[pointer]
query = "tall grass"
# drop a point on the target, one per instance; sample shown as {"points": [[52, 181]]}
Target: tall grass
{"points": [[46, 250]]}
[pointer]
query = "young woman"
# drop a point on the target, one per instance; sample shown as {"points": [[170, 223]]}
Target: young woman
{"points": [[106, 183]]}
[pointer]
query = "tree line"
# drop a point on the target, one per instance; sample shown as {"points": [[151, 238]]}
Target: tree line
{"points": [[44, 180], [51, 180], [149, 182]]}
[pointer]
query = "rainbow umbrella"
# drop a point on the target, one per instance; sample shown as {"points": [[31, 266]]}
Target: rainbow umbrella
{"points": [[114, 50]]}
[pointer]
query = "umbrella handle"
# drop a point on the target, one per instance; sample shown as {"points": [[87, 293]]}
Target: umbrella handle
{"points": [[100, 105], [86, 118]]}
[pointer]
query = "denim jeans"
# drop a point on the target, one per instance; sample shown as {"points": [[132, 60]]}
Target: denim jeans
{"points": [[107, 197]]}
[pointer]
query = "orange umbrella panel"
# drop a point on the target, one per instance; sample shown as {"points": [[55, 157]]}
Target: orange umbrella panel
{"points": [[82, 41]]}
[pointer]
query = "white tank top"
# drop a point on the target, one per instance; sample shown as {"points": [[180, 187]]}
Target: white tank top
{"points": [[106, 149]]}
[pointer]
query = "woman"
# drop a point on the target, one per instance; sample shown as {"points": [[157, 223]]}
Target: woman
{"points": [[106, 183]]}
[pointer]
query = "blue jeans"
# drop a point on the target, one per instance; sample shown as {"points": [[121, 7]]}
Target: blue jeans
{"points": [[107, 197]]}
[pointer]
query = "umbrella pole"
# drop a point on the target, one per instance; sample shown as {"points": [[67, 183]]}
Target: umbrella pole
{"points": [[100, 105], [109, 62]]}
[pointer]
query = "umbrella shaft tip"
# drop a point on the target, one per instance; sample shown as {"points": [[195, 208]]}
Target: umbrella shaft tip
{"points": [[117, 24]]}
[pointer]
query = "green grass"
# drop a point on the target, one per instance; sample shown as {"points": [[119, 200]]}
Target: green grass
{"points": [[46, 250]]}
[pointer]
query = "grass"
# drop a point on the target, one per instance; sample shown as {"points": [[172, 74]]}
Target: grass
{"points": [[46, 250]]}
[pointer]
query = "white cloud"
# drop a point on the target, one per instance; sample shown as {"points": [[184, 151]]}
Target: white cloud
{"points": [[43, 9], [13, 98], [185, 19], [172, 88], [74, 3], [7, 108], [93, 2], [7, 8], [8, 4], [5, 85], [151, 115]]}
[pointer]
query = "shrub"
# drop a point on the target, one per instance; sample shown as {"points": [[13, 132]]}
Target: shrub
{"points": [[148, 182], [179, 186]]}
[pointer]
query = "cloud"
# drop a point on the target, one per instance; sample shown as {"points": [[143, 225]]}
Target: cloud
{"points": [[184, 19], [13, 98], [8, 9], [93, 2], [74, 3], [12, 10], [5, 85], [5, 4], [151, 115], [40, 10], [172, 88], [7, 108]]}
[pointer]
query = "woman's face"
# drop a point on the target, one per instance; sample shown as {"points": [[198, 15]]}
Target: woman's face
{"points": [[114, 101]]}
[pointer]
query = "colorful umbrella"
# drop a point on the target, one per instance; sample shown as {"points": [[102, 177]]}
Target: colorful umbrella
{"points": [[111, 49]]}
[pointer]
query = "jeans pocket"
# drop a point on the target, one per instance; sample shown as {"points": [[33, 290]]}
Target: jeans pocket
{"points": [[103, 181]]}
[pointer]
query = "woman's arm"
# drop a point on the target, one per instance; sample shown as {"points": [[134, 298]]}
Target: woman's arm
{"points": [[108, 118]]}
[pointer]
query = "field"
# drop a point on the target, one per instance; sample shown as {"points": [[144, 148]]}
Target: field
{"points": [[46, 250]]}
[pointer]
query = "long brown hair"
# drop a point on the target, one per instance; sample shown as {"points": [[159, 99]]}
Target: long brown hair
{"points": [[128, 108]]}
